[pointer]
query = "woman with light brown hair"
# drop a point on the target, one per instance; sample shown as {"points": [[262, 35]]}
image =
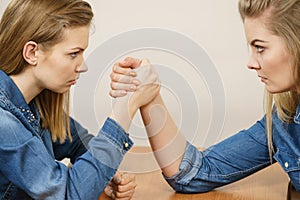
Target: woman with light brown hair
{"points": [[272, 30], [42, 44]]}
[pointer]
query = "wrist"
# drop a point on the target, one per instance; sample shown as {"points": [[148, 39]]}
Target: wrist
{"points": [[156, 100], [121, 112], [132, 105]]}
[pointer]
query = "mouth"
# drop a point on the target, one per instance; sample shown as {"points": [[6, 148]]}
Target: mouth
{"points": [[263, 79], [74, 81]]}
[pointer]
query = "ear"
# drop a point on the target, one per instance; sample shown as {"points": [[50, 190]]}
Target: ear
{"points": [[29, 52]]}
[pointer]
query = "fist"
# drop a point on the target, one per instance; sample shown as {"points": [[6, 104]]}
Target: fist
{"points": [[149, 86]]}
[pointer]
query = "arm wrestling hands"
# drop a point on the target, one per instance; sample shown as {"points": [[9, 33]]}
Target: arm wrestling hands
{"points": [[144, 89], [168, 144]]}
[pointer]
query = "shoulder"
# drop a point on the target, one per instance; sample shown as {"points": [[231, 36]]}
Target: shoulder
{"points": [[6, 118], [12, 131]]}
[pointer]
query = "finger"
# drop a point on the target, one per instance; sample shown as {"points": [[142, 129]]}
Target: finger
{"points": [[124, 196], [133, 62], [117, 93], [123, 86], [145, 61], [125, 188], [117, 177], [116, 77], [127, 178], [108, 190], [125, 70]]}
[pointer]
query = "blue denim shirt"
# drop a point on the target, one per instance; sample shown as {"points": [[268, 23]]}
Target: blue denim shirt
{"points": [[29, 167], [240, 156]]}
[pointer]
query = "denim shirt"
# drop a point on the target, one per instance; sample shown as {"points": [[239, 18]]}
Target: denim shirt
{"points": [[29, 166], [240, 156]]}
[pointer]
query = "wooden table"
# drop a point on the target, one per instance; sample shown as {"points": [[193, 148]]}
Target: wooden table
{"points": [[268, 184]]}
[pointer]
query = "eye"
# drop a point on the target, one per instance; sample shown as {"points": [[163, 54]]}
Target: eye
{"points": [[74, 54], [259, 49]]}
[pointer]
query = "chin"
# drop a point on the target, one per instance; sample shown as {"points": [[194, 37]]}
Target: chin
{"points": [[61, 91], [276, 91]]}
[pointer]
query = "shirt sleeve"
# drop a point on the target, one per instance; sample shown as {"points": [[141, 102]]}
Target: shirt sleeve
{"points": [[76, 147], [230, 160], [27, 164]]}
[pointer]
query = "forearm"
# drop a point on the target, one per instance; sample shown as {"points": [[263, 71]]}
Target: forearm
{"points": [[123, 111], [140, 87], [166, 141]]}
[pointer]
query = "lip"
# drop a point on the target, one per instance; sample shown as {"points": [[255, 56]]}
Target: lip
{"points": [[73, 82], [263, 79]]}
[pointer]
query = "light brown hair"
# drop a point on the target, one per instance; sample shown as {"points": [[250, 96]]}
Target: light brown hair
{"points": [[44, 22]]}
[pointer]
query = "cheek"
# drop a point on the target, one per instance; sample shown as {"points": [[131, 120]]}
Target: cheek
{"points": [[284, 66], [281, 70], [63, 66], [276, 62]]}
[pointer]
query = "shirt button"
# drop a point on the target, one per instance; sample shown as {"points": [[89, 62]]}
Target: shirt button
{"points": [[126, 145], [286, 164]]}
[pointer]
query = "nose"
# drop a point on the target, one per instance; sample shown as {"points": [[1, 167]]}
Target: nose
{"points": [[82, 68], [253, 63]]}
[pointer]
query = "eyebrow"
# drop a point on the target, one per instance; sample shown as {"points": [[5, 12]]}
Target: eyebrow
{"points": [[257, 40], [77, 48]]}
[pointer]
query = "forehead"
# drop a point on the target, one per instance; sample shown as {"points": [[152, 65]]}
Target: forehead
{"points": [[76, 37], [255, 28]]}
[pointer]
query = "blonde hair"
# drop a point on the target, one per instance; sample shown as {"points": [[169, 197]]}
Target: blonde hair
{"points": [[282, 19], [44, 22]]}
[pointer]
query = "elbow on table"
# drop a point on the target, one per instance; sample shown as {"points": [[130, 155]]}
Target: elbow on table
{"points": [[193, 188]]}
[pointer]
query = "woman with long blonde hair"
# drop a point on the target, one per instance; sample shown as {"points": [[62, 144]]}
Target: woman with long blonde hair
{"points": [[42, 44]]}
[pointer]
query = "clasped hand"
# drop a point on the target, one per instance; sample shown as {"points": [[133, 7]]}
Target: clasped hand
{"points": [[135, 79], [121, 187]]}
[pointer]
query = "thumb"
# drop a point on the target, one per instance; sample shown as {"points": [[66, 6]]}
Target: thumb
{"points": [[145, 61], [133, 63], [117, 178]]}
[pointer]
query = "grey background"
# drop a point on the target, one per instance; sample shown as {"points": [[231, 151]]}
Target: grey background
{"points": [[214, 25]]}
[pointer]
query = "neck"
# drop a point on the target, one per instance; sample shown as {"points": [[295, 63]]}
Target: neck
{"points": [[26, 85]]}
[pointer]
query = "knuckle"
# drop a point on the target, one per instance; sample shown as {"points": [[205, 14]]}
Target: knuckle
{"points": [[111, 75], [114, 77], [146, 60], [113, 85], [111, 93], [115, 67], [118, 195], [120, 188]]}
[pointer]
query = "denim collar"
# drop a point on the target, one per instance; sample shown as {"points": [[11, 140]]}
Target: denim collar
{"points": [[297, 115], [11, 91]]}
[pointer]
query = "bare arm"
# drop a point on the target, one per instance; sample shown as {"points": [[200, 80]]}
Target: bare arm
{"points": [[166, 141]]}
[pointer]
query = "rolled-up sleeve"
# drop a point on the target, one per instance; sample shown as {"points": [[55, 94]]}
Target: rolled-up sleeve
{"points": [[188, 168], [230, 160]]}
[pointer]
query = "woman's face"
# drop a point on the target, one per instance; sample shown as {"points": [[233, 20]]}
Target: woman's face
{"points": [[269, 57], [59, 67]]}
